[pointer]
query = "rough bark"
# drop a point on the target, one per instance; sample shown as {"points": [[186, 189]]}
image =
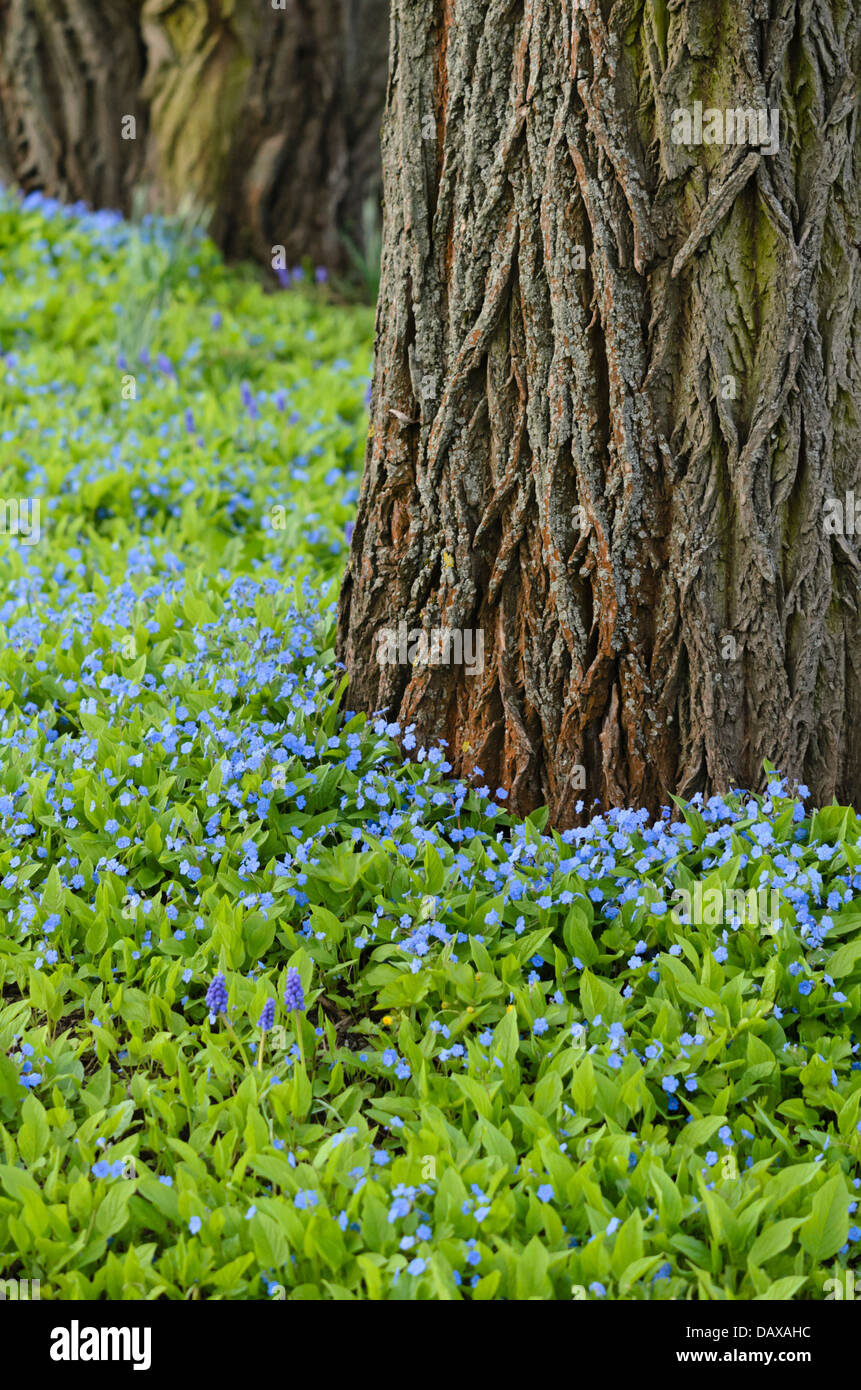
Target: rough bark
{"points": [[269, 117], [68, 71], [695, 389]]}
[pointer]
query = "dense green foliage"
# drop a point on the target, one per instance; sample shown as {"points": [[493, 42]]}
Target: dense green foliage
{"points": [[518, 1074]]}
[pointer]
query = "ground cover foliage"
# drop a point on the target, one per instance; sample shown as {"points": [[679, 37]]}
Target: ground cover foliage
{"points": [[507, 1067]]}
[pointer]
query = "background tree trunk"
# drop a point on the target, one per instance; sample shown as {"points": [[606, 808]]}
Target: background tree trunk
{"points": [[614, 460], [270, 117], [69, 71]]}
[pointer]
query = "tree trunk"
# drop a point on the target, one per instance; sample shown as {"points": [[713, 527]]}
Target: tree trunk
{"points": [[270, 117], [618, 379], [69, 71]]}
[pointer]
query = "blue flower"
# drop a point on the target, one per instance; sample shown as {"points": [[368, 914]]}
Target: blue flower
{"points": [[294, 997], [216, 996]]}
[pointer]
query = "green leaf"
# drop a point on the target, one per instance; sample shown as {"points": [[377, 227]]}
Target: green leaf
{"points": [[578, 938], [669, 1198], [506, 1038], [271, 1245], [827, 1227], [531, 1277], [113, 1214], [485, 1289], [783, 1289], [845, 959], [434, 870], [16, 1182], [772, 1240], [628, 1248], [34, 1136], [583, 1085], [230, 1275]]}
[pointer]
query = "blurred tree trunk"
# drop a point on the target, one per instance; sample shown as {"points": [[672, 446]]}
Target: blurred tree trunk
{"points": [[270, 117], [69, 71], [618, 379]]}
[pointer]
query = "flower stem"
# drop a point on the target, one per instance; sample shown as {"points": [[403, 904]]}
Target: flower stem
{"points": [[239, 1047]]}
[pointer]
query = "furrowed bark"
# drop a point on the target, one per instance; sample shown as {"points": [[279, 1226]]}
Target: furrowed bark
{"points": [[614, 460]]}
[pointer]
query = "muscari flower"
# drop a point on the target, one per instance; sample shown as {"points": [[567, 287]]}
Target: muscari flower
{"points": [[294, 997], [267, 1018], [216, 996]]}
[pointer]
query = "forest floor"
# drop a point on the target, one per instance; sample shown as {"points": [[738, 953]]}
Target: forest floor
{"points": [[618, 1062]]}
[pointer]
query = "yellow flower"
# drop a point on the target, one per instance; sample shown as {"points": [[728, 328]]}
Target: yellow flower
{"points": [[387, 1021], [470, 1009], [510, 1009]]}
